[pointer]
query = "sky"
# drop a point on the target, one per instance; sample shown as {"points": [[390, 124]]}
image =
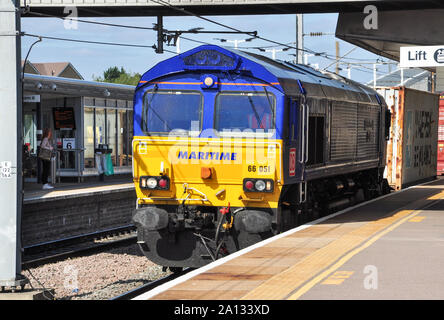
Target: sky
{"points": [[92, 59]]}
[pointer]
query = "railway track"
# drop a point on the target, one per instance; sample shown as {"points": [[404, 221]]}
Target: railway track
{"points": [[150, 285], [56, 250]]}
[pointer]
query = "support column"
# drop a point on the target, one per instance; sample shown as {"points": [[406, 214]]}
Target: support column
{"points": [[299, 38], [10, 140], [439, 85]]}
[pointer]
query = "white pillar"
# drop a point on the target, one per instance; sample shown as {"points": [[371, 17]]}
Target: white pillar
{"points": [[439, 79], [374, 75], [402, 76], [178, 45], [299, 38], [10, 136]]}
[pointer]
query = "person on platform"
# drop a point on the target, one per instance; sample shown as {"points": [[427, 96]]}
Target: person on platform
{"points": [[46, 164]]}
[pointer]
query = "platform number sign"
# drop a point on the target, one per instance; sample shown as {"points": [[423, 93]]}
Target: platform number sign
{"points": [[5, 169], [69, 143], [292, 163]]}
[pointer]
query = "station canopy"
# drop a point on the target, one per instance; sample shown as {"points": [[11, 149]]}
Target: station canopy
{"points": [[395, 29], [98, 8]]}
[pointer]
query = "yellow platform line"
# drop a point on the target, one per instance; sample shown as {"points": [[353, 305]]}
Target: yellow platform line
{"points": [[417, 219], [437, 196], [338, 277], [285, 284]]}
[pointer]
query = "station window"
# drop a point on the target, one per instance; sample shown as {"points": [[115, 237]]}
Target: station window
{"points": [[108, 121]]}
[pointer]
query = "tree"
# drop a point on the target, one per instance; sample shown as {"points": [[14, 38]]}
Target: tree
{"points": [[114, 75]]}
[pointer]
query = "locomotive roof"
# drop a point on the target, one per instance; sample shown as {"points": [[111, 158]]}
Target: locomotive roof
{"points": [[290, 78]]}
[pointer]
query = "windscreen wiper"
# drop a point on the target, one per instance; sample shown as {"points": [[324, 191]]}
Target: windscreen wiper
{"points": [[258, 119], [269, 102]]}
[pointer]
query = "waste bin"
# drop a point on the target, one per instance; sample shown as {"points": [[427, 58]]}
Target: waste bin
{"points": [[102, 165]]}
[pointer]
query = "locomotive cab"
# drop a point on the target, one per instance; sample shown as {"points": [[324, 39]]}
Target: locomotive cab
{"points": [[230, 148]]}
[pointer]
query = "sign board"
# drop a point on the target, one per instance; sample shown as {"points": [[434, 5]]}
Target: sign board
{"points": [[5, 169], [292, 163], [64, 118], [31, 98], [69, 143], [425, 56]]}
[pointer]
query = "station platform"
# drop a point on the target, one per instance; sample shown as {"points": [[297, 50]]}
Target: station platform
{"points": [[387, 248], [73, 209], [33, 191]]}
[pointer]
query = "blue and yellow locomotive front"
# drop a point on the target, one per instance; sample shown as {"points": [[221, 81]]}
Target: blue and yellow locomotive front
{"points": [[207, 156]]}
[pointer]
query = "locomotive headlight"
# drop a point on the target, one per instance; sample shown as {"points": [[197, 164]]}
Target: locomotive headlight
{"points": [[260, 185], [151, 183], [155, 182], [208, 81]]}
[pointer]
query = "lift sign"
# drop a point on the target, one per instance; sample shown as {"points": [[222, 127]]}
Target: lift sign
{"points": [[292, 163]]}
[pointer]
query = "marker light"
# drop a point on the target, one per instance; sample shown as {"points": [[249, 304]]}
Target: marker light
{"points": [[151, 183], [249, 185], [163, 183], [260, 185]]}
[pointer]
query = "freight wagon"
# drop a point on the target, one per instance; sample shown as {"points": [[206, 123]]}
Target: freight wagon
{"points": [[412, 147]]}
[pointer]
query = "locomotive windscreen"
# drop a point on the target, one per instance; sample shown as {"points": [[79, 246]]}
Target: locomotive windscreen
{"points": [[244, 111], [167, 111]]}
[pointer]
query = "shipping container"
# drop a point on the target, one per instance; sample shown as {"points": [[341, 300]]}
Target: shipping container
{"points": [[412, 147], [440, 164]]}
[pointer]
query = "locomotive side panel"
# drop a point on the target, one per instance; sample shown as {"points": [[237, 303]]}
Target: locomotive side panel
{"points": [[369, 124], [343, 132]]}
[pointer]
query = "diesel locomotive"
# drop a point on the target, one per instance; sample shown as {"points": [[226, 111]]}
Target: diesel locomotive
{"points": [[232, 147]]}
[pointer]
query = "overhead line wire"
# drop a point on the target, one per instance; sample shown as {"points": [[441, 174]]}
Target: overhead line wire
{"points": [[92, 42]]}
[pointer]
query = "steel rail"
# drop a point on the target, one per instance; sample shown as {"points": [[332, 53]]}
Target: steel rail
{"points": [[150, 285]]}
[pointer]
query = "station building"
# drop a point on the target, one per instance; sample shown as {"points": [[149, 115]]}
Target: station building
{"points": [[82, 115]]}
